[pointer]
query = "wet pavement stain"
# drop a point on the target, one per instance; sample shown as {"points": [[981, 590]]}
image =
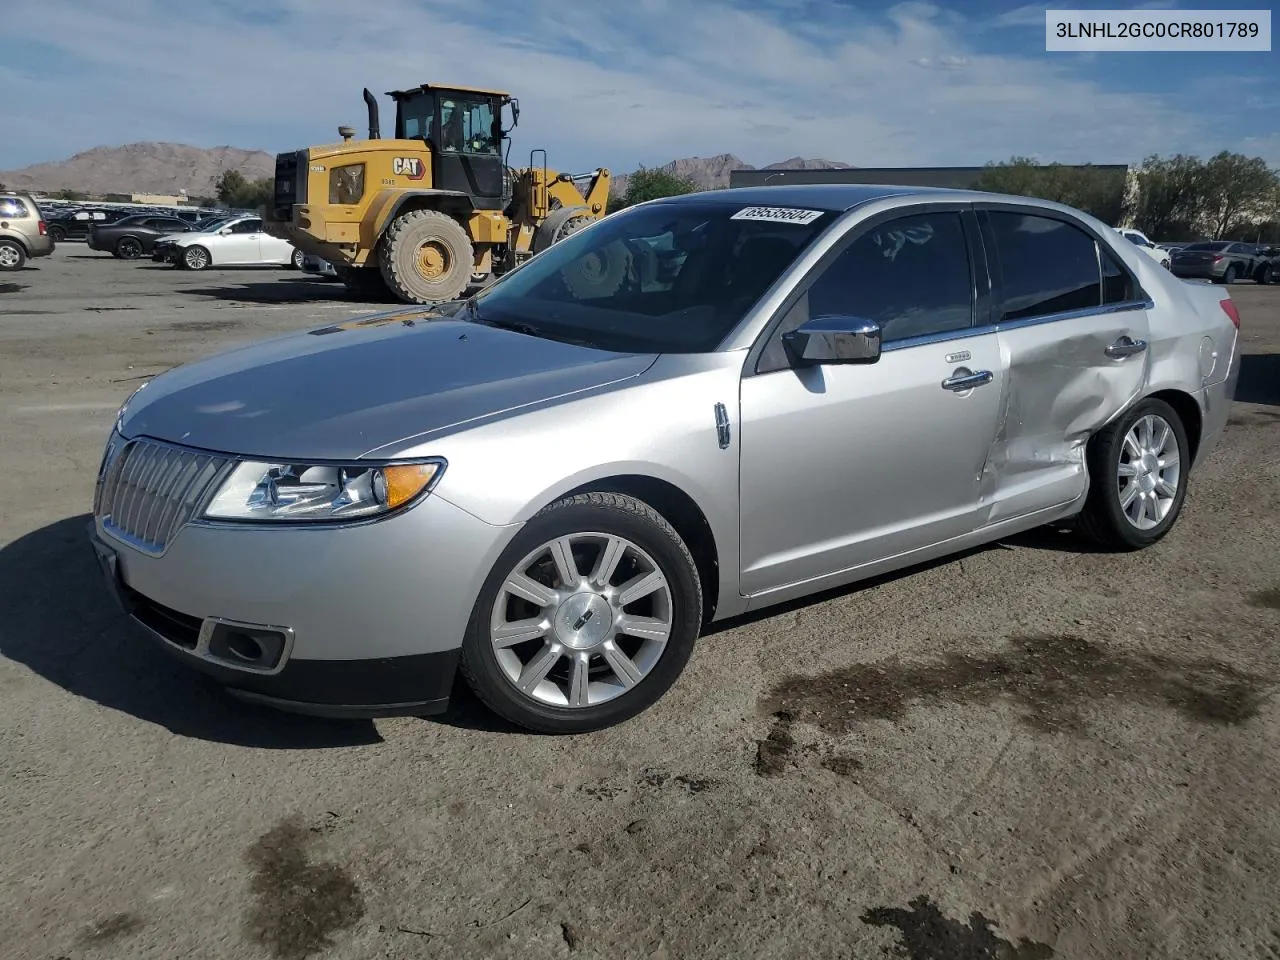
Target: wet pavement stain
{"points": [[115, 927], [1266, 599], [927, 934], [1254, 418], [298, 904], [204, 326], [1049, 676], [774, 752]]}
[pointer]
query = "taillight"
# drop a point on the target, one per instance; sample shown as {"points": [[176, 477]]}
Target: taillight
{"points": [[42, 228], [1217, 258], [1231, 310]]}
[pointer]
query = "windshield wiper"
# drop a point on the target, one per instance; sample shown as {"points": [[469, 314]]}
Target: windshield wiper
{"points": [[520, 326]]}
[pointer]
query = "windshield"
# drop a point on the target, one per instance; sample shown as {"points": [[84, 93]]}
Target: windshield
{"points": [[1205, 246], [666, 278], [206, 225]]}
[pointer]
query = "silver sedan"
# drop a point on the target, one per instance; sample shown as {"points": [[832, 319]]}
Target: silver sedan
{"points": [[690, 409]]}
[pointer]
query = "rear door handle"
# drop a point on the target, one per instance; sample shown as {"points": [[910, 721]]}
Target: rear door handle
{"points": [[1125, 347], [966, 380]]}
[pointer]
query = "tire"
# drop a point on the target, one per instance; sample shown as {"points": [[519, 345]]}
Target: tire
{"points": [[559, 223], [1265, 275], [651, 665], [364, 284], [12, 255], [426, 257], [1104, 519], [128, 248], [57, 234], [295, 262], [195, 257], [1230, 275]]}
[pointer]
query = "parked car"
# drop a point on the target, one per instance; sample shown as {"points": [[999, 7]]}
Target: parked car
{"points": [[241, 242], [23, 231], [135, 236], [1269, 270], [165, 247], [74, 224], [1222, 261], [1139, 240], [555, 485]]}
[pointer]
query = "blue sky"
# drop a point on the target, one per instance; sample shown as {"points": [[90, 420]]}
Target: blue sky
{"points": [[630, 81]]}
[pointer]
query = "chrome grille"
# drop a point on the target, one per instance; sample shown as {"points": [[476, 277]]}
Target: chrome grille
{"points": [[150, 490]]}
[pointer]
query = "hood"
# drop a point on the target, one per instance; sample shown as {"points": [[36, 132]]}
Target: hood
{"points": [[340, 391]]}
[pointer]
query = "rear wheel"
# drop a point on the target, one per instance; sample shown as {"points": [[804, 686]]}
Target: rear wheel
{"points": [[296, 260], [12, 256], [1265, 274], [1138, 468], [129, 248], [587, 618], [1230, 275], [57, 234], [426, 257]]}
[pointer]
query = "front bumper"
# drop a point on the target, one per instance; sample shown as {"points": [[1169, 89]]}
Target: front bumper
{"points": [[363, 620]]}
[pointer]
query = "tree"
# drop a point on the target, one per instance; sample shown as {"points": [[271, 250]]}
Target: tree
{"points": [[235, 191], [1236, 189], [650, 184], [1098, 192], [1170, 195]]}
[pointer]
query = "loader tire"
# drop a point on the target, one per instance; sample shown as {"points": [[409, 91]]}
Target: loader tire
{"points": [[426, 257], [559, 224]]}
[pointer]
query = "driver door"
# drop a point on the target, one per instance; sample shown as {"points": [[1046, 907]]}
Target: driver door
{"points": [[844, 464], [241, 245]]}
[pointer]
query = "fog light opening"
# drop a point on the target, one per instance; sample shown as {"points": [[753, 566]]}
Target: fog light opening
{"points": [[244, 647]]}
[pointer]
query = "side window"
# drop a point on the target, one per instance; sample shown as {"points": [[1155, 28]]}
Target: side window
{"points": [[1117, 287], [911, 275], [1047, 265], [12, 208], [247, 226], [466, 126]]}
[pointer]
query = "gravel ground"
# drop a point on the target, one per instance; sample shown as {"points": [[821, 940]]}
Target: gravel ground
{"points": [[1027, 752]]}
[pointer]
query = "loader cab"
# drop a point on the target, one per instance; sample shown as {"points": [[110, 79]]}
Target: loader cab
{"points": [[463, 128]]}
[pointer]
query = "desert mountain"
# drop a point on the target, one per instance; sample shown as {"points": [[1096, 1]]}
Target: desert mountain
{"points": [[169, 168], [165, 168]]}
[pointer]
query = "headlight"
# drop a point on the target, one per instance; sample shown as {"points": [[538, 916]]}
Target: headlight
{"points": [[346, 184], [316, 492]]}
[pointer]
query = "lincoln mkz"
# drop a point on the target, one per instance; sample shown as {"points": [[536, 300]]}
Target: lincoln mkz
{"points": [[690, 409]]}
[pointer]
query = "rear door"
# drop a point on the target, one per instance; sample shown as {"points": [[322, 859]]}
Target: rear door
{"points": [[1072, 324]]}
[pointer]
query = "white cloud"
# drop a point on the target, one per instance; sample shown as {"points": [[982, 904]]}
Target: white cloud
{"points": [[608, 84]]}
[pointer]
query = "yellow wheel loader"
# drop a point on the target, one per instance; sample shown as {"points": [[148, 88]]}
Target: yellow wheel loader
{"points": [[435, 209]]}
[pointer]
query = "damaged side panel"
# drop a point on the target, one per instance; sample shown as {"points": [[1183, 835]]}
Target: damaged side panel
{"points": [[1060, 387]]}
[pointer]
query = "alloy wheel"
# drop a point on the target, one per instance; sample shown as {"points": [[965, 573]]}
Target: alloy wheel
{"points": [[581, 620], [1148, 472], [9, 257], [196, 258], [129, 248]]}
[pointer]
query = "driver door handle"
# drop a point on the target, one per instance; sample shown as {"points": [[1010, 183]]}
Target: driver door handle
{"points": [[1125, 347], [966, 380]]}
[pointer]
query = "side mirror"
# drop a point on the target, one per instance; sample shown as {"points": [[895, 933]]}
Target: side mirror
{"points": [[224, 232], [833, 338]]}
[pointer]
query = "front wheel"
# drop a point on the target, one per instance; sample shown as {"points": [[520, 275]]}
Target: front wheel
{"points": [[196, 258], [1138, 469], [426, 257], [129, 248], [587, 618], [296, 260]]}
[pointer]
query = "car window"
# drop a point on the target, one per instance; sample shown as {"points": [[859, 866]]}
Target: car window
{"points": [[910, 275], [1117, 285], [1046, 265], [1212, 246], [670, 277], [247, 226], [12, 208]]}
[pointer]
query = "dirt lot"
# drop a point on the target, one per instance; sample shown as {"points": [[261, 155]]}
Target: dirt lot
{"points": [[1027, 752]]}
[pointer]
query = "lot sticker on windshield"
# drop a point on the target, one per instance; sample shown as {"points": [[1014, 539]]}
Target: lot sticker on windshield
{"points": [[777, 214]]}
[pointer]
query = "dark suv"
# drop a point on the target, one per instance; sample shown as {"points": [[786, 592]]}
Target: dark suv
{"points": [[74, 224]]}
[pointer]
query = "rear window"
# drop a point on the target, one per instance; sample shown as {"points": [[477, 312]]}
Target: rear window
{"points": [[1205, 246], [1047, 265], [13, 208]]}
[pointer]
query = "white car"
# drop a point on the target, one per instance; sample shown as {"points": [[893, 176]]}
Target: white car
{"points": [[240, 242], [1139, 240]]}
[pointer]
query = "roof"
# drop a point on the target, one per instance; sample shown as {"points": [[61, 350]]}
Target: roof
{"points": [[817, 196], [450, 86]]}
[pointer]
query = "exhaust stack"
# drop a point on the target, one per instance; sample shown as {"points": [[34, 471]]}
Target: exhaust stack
{"points": [[375, 132]]}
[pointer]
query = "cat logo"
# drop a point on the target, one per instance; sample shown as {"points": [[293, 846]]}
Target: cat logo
{"points": [[410, 167]]}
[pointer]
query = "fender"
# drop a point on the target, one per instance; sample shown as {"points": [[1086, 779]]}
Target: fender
{"points": [[386, 205]]}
